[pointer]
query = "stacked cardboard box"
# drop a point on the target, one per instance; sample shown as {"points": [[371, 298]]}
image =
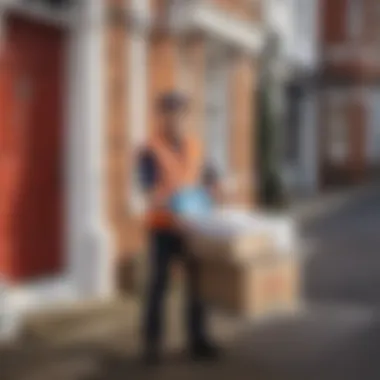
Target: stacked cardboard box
{"points": [[247, 272], [253, 288]]}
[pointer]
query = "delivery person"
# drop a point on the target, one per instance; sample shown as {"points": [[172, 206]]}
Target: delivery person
{"points": [[171, 160]]}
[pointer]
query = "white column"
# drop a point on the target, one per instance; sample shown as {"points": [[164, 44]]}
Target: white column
{"points": [[137, 87], [91, 260], [219, 67]]}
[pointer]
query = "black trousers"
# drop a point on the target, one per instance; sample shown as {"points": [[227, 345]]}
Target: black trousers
{"points": [[165, 247]]}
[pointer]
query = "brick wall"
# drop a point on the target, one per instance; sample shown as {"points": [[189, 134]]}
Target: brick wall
{"points": [[243, 83], [243, 9], [356, 57], [350, 57], [116, 59], [162, 70]]}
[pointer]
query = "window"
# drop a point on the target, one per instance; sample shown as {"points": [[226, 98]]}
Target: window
{"points": [[338, 131], [354, 19], [217, 107]]}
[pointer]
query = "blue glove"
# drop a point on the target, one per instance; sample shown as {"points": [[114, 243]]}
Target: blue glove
{"points": [[191, 202]]}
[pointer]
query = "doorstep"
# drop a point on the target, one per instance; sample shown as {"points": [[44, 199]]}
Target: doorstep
{"points": [[79, 322], [19, 301]]}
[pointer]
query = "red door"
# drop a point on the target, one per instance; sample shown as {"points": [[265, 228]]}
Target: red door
{"points": [[31, 75]]}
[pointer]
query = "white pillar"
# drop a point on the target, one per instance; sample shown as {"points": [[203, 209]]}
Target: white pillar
{"points": [[91, 260], [137, 106]]}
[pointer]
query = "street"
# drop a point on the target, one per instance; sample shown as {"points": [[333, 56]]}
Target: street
{"points": [[335, 336]]}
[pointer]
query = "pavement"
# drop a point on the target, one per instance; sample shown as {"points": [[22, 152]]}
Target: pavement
{"points": [[336, 336]]}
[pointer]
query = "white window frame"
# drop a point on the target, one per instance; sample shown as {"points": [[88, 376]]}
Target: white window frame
{"points": [[337, 124], [217, 136], [136, 109]]}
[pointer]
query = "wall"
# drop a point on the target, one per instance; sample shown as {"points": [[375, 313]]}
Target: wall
{"points": [[243, 9], [296, 23], [350, 38]]}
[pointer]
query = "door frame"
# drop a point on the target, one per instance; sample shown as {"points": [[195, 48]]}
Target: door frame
{"points": [[88, 250]]}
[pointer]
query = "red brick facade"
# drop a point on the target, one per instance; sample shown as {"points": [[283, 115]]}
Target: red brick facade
{"points": [[350, 47]]}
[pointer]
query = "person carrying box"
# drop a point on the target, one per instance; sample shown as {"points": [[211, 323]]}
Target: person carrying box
{"points": [[172, 173]]}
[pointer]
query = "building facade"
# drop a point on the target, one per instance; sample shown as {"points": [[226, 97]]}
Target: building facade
{"points": [[295, 26], [78, 84], [350, 102], [330, 51]]}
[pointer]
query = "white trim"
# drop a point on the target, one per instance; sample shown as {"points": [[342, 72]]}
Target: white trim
{"points": [[93, 245], [186, 16], [136, 83], [221, 24], [217, 131]]}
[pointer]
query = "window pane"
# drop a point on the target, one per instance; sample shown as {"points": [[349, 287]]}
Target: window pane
{"points": [[217, 123], [354, 18], [338, 139]]}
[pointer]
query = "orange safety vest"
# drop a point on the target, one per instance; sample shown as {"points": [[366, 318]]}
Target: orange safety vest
{"points": [[177, 169]]}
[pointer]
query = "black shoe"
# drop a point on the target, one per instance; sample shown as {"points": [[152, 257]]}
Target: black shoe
{"points": [[205, 351]]}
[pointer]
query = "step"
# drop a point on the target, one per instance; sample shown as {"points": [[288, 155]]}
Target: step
{"points": [[80, 322]]}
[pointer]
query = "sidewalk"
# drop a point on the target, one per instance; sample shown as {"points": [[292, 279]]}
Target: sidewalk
{"points": [[318, 344], [314, 206], [102, 341]]}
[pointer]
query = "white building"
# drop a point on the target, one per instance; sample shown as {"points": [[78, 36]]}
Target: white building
{"points": [[296, 23]]}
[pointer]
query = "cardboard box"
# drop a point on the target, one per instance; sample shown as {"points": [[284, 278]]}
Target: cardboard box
{"points": [[234, 234], [236, 247], [254, 288]]}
